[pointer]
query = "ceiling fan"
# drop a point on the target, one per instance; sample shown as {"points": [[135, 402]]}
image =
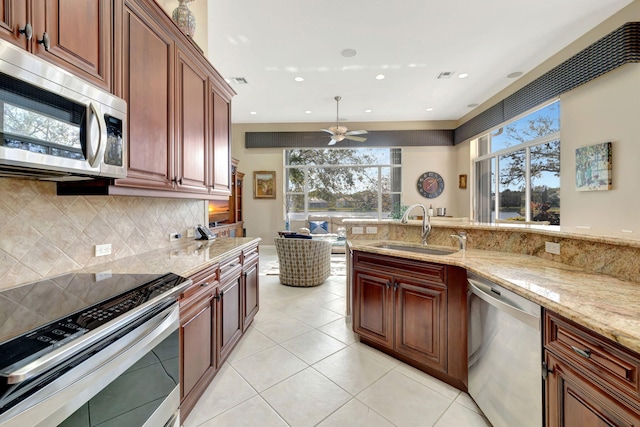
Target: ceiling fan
{"points": [[339, 133]]}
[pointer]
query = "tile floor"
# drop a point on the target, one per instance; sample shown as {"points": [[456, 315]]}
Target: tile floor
{"points": [[300, 365]]}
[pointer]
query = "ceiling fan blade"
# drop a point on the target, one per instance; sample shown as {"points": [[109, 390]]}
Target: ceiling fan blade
{"points": [[332, 142], [357, 132], [329, 131], [355, 138]]}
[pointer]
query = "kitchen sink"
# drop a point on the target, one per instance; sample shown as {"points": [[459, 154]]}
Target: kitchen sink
{"points": [[418, 249]]}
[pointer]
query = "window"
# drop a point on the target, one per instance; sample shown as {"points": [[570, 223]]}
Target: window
{"points": [[364, 182], [518, 169]]}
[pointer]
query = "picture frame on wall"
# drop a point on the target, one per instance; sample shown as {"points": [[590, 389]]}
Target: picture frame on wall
{"points": [[593, 167], [264, 185], [462, 181]]}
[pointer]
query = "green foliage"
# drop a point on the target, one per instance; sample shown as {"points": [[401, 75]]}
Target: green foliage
{"points": [[398, 211]]}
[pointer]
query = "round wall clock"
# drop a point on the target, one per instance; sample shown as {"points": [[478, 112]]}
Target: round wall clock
{"points": [[430, 185]]}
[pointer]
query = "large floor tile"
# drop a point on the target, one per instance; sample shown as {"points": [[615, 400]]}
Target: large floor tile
{"points": [[431, 382], [458, 415], [352, 370], [379, 356], [316, 316], [339, 305], [268, 367], [306, 398], [313, 346], [405, 402], [282, 328], [355, 414], [341, 330], [252, 342], [465, 400], [227, 390], [251, 413]]}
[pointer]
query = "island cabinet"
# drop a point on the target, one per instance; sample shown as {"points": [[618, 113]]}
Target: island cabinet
{"points": [[591, 380], [413, 310], [198, 323], [74, 34]]}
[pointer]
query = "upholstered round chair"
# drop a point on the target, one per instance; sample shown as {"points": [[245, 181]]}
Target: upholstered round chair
{"points": [[303, 262]]}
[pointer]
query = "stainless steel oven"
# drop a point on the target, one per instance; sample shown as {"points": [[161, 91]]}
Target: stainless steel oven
{"points": [[83, 350], [54, 125]]}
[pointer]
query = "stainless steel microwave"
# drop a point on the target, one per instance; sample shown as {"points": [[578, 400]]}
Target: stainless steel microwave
{"points": [[56, 126]]}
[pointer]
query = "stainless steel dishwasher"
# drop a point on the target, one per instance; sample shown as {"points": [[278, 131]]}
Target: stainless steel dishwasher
{"points": [[505, 355]]}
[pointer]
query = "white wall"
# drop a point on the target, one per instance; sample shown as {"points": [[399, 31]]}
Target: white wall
{"points": [[606, 109]]}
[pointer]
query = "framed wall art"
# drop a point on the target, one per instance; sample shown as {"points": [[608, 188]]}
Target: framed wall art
{"points": [[593, 167], [264, 185], [462, 181]]}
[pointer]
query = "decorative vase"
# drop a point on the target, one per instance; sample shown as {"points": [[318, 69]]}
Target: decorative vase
{"points": [[184, 18]]}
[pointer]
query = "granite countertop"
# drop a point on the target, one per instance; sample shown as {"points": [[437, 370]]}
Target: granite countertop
{"points": [[184, 259], [604, 304]]}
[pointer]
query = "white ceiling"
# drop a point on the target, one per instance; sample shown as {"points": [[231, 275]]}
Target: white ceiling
{"points": [[270, 42]]}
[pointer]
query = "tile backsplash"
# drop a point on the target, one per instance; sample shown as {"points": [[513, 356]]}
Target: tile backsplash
{"points": [[43, 235]]}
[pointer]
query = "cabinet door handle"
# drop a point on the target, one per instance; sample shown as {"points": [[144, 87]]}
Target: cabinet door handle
{"points": [[216, 297], [27, 31], [388, 285], [177, 180], [395, 286], [586, 353], [205, 284], [45, 41]]}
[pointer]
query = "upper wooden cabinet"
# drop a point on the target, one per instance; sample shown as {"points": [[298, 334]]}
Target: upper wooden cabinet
{"points": [[220, 176], [74, 34]]}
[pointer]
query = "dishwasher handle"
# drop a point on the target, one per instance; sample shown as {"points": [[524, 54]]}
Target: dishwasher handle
{"points": [[513, 311]]}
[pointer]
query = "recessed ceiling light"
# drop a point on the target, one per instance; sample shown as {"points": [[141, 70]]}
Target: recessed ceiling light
{"points": [[348, 53], [380, 77], [299, 79], [472, 105], [514, 74], [253, 113], [430, 109], [367, 111], [463, 75], [307, 112]]}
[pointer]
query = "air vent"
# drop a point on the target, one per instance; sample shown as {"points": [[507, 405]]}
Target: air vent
{"points": [[445, 74], [238, 80]]}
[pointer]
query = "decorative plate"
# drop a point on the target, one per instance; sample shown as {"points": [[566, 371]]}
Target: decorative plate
{"points": [[430, 185]]}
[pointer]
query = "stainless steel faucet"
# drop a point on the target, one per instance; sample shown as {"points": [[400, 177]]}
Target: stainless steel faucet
{"points": [[426, 223], [462, 239]]}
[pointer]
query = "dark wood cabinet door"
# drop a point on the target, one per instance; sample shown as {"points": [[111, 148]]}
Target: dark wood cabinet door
{"points": [[575, 401], [147, 84], [229, 317], [13, 18], [372, 311], [79, 36], [251, 292], [220, 174], [421, 321], [198, 355], [191, 124]]}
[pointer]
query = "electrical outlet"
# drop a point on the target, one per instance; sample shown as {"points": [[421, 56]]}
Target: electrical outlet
{"points": [[190, 233], [372, 230], [552, 248], [102, 275], [102, 250], [357, 230], [174, 236]]}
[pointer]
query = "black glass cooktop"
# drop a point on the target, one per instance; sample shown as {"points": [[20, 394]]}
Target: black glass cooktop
{"points": [[42, 316]]}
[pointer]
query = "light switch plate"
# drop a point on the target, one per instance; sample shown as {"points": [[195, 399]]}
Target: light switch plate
{"points": [[552, 248], [372, 230], [357, 230]]}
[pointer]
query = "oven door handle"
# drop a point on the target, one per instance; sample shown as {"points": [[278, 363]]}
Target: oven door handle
{"points": [[52, 359]]}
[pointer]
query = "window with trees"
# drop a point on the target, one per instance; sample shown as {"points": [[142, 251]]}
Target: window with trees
{"points": [[517, 170], [364, 182]]}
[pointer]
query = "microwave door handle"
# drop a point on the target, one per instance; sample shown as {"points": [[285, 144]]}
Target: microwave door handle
{"points": [[102, 130]]}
